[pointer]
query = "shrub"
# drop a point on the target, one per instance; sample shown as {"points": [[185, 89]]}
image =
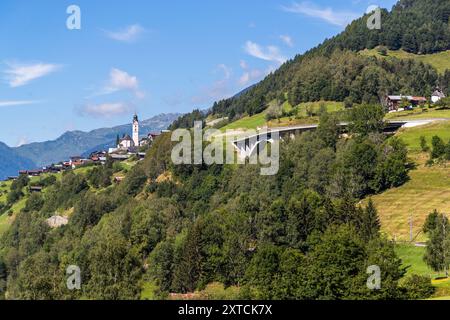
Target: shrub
{"points": [[382, 51], [217, 291], [418, 287], [438, 149], [423, 144]]}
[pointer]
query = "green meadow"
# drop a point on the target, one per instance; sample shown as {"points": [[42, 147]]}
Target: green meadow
{"points": [[440, 61], [305, 113]]}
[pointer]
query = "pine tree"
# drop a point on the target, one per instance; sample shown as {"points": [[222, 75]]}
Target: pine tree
{"points": [[423, 144], [438, 147], [188, 271], [370, 222], [346, 211], [3, 277], [437, 254]]}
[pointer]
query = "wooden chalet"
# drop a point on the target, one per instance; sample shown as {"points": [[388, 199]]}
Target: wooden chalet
{"points": [[394, 103], [36, 189]]}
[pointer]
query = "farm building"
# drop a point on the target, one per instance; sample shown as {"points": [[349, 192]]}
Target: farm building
{"points": [[394, 103], [437, 96]]}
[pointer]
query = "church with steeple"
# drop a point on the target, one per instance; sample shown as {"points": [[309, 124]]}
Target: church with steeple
{"points": [[128, 142], [135, 130], [132, 143]]}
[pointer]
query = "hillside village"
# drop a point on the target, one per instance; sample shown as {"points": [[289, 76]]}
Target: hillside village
{"points": [[125, 149]]}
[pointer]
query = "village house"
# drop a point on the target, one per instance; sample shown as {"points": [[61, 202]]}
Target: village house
{"points": [[118, 180], [55, 168], [395, 103], [149, 139], [131, 144], [77, 161], [437, 96], [98, 156], [119, 157], [126, 142], [31, 173], [141, 155], [36, 189]]}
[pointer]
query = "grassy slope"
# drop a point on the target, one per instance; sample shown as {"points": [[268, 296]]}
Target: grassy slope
{"points": [[412, 258], [412, 135], [4, 188], [419, 114], [4, 223], [5, 220], [259, 120], [440, 61], [428, 188]]}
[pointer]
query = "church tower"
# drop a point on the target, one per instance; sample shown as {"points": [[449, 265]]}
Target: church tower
{"points": [[136, 130]]}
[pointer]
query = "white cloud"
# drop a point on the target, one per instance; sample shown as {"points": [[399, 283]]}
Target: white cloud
{"points": [[287, 40], [128, 34], [254, 75], [338, 18], [243, 64], [13, 103], [270, 53], [220, 89], [22, 140], [19, 74], [105, 110], [120, 80], [250, 76], [226, 71]]}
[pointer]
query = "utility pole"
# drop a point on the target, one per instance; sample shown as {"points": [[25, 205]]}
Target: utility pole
{"points": [[411, 235], [444, 242]]}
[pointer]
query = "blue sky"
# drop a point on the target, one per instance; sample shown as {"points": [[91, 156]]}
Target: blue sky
{"points": [[151, 57]]}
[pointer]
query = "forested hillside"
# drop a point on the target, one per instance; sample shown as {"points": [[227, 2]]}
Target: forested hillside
{"points": [[417, 26], [308, 232], [297, 235], [334, 71]]}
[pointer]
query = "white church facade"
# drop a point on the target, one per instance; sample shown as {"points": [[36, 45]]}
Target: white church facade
{"points": [[127, 142]]}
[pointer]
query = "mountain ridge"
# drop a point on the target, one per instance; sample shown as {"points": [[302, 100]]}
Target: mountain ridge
{"points": [[71, 143]]}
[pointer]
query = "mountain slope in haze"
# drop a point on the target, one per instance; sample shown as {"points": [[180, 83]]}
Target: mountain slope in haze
{"points": [[80, 143], [11, 162]]}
